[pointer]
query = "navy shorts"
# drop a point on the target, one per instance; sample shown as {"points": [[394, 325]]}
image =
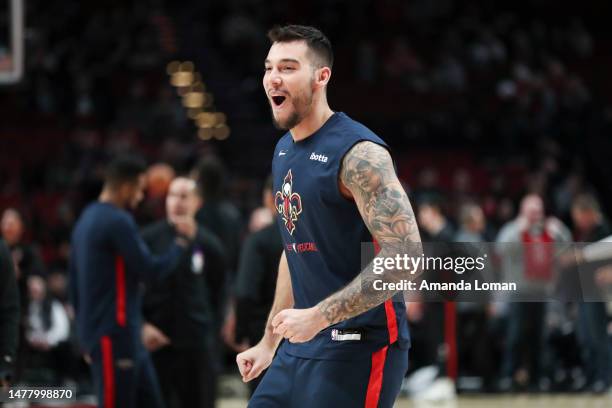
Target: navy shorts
{"points": [[123, 373], [294, 382]]}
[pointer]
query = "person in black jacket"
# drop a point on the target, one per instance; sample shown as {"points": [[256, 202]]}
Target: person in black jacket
{"points": [[26, 257], [222, 218], [590, 226], [256, 279], [181, 310], [27, 262], [9, 315]]}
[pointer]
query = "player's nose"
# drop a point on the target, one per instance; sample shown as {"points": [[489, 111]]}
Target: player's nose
{"points": [[275, 78]]}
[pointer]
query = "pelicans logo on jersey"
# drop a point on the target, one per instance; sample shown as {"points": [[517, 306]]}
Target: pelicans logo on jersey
{"points": [[287, 203]]}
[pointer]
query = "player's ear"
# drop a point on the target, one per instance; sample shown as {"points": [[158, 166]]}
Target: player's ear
{"points": [[198, 202], [322, 76]]}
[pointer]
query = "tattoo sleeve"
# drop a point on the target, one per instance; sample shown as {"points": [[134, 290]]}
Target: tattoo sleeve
{"points": [[367, 171]]}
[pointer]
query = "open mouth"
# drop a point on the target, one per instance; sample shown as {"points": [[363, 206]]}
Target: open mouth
{"points": [[278, 100]]}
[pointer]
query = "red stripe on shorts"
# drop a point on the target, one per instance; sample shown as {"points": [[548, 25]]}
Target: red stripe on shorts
{"points": [[376, 378]]}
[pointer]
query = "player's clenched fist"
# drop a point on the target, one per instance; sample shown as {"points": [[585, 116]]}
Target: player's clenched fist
{"points": [[299, 325], [254, 360]]}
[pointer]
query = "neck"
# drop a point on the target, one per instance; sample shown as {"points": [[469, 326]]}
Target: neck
{"points": [[320, 113], [109, 196]]}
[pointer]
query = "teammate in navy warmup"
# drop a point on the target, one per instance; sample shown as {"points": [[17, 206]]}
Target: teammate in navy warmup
{"points": [[108, 263], [345, 343]]}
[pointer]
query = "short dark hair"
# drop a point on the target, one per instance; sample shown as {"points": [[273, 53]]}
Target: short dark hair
{"points": [[433, 200], [211, 176], [124, 169], [316, 41], [586, 202]]}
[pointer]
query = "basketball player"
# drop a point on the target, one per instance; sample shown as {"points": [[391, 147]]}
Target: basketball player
{"points": [[109, 261], [346, 344]]}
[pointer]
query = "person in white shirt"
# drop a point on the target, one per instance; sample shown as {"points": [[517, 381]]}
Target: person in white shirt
{"points": [[47, 328]]}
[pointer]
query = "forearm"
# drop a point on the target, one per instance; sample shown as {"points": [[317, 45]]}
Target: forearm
{"points": [[283, 299], [368, 173], [361, 294]]}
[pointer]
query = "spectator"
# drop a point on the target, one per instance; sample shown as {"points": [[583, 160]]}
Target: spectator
{"points": [[435, 226], [590, 226], [47, 330], [472, 224], [217, 214], [25, 256], [222, 218], [436, 232], [526, 247], [179, 337], [27, 262], [475, 342], [9, 316]]}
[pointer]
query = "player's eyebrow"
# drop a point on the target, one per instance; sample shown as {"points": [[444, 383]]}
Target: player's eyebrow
{"points": [[267, 61]]}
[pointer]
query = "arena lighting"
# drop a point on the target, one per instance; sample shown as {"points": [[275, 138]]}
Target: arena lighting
{"points": [[181, 78], [205, 133], [173, 67], [197, 86], [209, 98], [206, 120], [187, 66], [194, 100], [192, 113], [183, 90], [221, 132], [220, 118]]}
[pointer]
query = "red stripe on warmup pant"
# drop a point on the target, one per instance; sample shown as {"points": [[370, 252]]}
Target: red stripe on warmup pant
{"points": [[376, 378], [389, 310], [108, 374], [120, 290]]}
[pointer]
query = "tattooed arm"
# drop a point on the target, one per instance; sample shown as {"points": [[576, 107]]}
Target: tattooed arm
{"points": [[367, 172], [368, 175]]}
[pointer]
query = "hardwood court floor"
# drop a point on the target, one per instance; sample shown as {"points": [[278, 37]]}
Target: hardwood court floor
{"points": [[486, 401]]}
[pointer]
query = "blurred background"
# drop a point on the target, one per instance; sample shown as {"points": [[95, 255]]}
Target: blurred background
{"points": [[483, 104]]}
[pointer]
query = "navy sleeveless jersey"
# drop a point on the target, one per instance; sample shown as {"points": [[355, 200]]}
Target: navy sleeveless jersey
{"points": [[322, 234]]}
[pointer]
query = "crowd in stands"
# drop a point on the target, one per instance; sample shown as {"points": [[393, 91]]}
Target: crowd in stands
{"points": [[483, 107]]}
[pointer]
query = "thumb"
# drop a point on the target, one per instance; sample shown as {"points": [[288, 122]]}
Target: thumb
{"points": [[244, 365], [278, 319], [254, 371]]}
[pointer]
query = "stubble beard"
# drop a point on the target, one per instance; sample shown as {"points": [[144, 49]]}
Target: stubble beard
{"points": [[294, 118]]}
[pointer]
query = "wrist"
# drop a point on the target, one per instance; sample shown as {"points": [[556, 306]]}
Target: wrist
{"points": [[270, 340], [320, 319]]}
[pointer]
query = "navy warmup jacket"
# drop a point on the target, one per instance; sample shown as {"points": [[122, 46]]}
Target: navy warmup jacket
{"points": [[109, 261]]}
